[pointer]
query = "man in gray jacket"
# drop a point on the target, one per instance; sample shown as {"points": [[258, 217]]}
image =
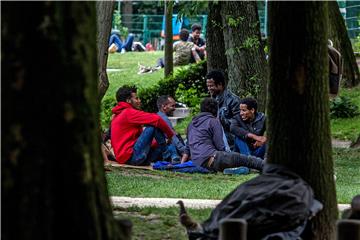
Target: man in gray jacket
{"points": [[227, 101], [249, 128], [205, 140]]}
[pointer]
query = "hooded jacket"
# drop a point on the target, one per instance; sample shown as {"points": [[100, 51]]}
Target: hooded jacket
{"points": [[205, 137], [126, 127]]}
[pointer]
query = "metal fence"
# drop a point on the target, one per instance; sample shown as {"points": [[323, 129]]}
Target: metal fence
{"points": [[147, 28]]}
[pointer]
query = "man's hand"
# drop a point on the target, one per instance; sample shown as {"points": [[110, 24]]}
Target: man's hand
{"points": [[259, 140], [184, 158], [168, 141]]}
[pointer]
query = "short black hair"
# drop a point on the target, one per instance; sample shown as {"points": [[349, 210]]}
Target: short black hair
{"points": [[195, 27], [184, 34], [250, 102], [217, 76], [162, 100], [209, 105], [124, 92]]}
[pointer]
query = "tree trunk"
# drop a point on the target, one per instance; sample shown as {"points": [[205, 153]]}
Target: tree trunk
{"points": [[298, 105], [247, 66], [53, 182], [215, 46], [104, 13], [339, 35], [127, 11], [168, 38]]}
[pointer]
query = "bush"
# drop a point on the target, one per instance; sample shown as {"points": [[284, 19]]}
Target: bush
{"points": [[191, 78], [107, 105], [342, 107]]}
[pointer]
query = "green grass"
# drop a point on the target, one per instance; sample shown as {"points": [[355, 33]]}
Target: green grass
{"points": [[144, 183], [128, 65], [158, 223], [347, 128]]}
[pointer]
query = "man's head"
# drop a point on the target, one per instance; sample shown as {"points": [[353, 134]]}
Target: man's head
{"points": [[215, 82], [248, 108], [184, 34], [127, 94], [209, 105], [196, 31], [166, 104]]}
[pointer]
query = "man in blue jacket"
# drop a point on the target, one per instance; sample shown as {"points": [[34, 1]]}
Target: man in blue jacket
{"points": [[166, 106], [205, 140], [249, 128]]}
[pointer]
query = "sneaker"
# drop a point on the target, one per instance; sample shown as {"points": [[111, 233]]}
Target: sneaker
{"points": [[123, 51], [237, 171]]}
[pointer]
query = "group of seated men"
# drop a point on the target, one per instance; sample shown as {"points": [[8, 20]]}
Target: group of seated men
{"points": [[227, 133]]}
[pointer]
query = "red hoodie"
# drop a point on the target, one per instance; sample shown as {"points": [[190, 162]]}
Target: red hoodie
{"points": [[126, 127]]}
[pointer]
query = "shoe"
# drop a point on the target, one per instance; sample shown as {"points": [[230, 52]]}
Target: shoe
{"points": [[237, 171], [123, 51]]}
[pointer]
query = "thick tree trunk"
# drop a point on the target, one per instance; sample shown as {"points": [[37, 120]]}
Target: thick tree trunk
{"points": [[104, 13], [298, 105], [168, 38], [53, 182], [338, 34], [247, 66], [215, 45]]}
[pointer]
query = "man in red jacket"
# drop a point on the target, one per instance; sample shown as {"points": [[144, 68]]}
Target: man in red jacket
{"points": [[131, 143]]}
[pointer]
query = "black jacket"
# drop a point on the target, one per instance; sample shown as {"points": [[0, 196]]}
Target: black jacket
{"points": [[276, 201]]}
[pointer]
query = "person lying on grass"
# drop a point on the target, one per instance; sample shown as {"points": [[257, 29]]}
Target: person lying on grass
{"points": [[132, 144], [206, 142]]}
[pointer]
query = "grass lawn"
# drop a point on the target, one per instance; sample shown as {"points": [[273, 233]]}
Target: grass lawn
{"points": [[144, 183], [159, 223]]}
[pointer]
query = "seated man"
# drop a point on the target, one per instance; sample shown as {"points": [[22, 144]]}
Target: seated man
{"points": [[183, 50], [116, 45], [228, 102], [249, 128], [198, 41], [166, 107], [205, 140], [131, 143]]}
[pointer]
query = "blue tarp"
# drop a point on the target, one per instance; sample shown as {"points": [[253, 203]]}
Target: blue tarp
{"points": [[187, 167]]}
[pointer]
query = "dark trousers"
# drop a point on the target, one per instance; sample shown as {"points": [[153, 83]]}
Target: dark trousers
{"points": [[224, 160]]}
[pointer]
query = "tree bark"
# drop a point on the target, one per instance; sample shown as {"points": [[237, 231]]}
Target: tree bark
{"points": [[53, 181], [247, 66], [215, 46], [339, 35], [298, 105], [104, 13], [169, 66]]}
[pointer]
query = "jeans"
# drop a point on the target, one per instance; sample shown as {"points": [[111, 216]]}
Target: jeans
{"points": [[143, 154], [242, 147], [114, 38]]}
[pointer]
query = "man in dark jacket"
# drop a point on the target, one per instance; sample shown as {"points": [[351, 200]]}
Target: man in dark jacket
{"points": [[205, 140], [227, 101], [249, 128]]}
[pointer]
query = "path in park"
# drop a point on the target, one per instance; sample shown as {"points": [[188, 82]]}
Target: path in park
{"points": [[126, 202]]}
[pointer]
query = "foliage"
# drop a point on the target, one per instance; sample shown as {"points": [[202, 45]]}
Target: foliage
{"points": [[144, 183], [342, 107], [107, 104], [190, 77], [117, 24]]}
